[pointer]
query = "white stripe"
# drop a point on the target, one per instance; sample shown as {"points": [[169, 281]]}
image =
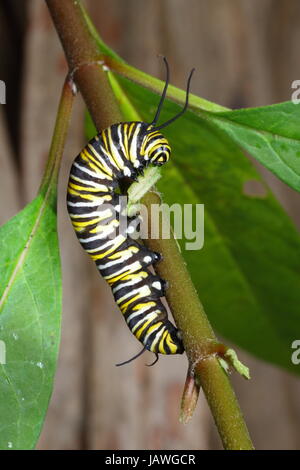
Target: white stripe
{"points": [[138, 312], [126, 171], [131, 268], [156, 285], [121, 139], [99, 236], [98, 202], [110, 264], [101, 187], [115, 152], [148, 317], [84, 204], [90, 172], [125, 284], [100, 158], [157, 336], [122, 258], [155, 142], [133, 146], [144, 291], [90, 214], [112, 242]]}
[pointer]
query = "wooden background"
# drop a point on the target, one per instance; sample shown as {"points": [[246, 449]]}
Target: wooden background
{"points": [[246, 54]]}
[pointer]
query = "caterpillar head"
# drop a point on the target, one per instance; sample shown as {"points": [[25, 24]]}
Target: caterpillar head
{"points": [[156, 149]]}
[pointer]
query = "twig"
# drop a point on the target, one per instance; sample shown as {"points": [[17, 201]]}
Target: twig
{"points": [[59, 136]]}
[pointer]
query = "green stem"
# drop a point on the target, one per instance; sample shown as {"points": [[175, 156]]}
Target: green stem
{"points": [[59, 137], [223, 405], [201, 344], [156, 85], [198, 336]]}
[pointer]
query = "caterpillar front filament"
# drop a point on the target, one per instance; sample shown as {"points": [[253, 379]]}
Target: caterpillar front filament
{"points": [[123, 150]]}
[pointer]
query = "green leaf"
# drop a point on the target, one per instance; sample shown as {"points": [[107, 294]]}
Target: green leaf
{"points": [[31, 301], [247, 274], [30, 308], [271, 134]]}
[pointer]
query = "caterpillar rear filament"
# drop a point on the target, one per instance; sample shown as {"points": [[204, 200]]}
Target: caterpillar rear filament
{"points": [[123, 150]]}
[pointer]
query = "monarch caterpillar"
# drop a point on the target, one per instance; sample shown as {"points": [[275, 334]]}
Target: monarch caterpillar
{"points": [[124, 150]]}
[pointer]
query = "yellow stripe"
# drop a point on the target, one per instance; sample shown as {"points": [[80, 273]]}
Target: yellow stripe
{"points": [[92, 166], [161, 343], [103, 167], [88, 197], [85, 224], [145, 304], [109, 155], [113, 154], [104, 137], [125, 138], [131, 127], [123, 307], [138, 333], [103, 255], [81, 188], [120, 254], [153, 327], [172, 346], [156, 146], [139, 295], [101, 228], [85, 154], [130, 277]]}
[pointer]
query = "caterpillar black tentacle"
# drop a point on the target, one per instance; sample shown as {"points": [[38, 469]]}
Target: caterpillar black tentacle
{"points": [[154, 362], [123, 150], [132, 358]]}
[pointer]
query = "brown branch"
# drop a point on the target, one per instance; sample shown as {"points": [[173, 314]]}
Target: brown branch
{"points": [[82, 54]]}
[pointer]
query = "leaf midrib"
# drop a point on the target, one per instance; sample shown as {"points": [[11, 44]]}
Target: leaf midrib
{"points": [[217, 117], [28, 243]]}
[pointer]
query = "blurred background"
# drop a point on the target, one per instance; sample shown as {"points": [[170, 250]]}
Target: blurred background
{"points": [[246, 54]]}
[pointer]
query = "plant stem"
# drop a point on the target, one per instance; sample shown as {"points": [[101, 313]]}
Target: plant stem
{"points": [[223, 405], [200, 342], [59, 137], [155, 85], [82, 54], [199, 339]]}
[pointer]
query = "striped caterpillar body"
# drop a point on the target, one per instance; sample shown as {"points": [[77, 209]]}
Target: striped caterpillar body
{"points": [[123, 150]]}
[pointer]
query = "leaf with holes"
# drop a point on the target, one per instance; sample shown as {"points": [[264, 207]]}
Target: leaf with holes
{"points": [[270, 133], [247, 274]]}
